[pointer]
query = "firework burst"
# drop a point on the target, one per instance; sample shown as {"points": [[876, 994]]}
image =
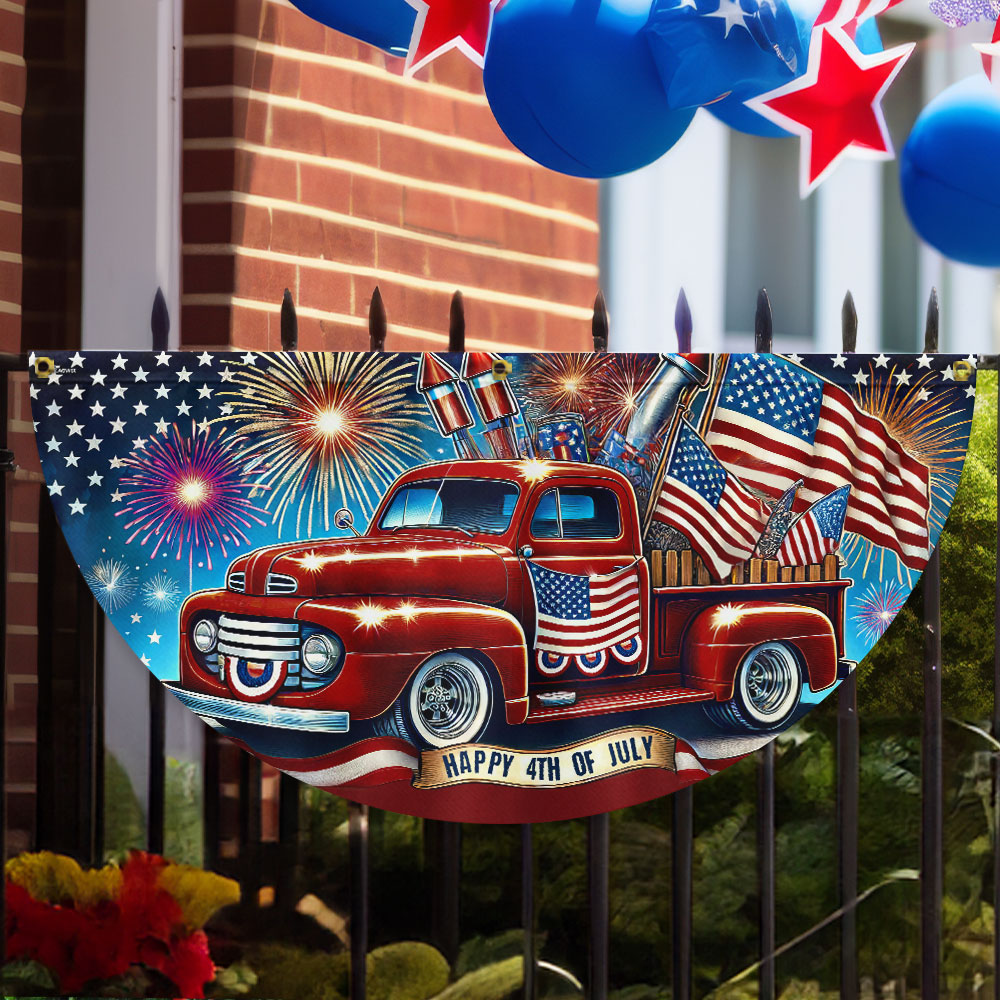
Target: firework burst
{"points": [[919, 418], [564, 381], [326, 430], [111, 584], [161, 593], [615, 393], [876, 608], [188, 494]]}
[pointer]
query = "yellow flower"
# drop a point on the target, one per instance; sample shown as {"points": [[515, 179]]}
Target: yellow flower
{"points": [[55, 878], [199, 894]]}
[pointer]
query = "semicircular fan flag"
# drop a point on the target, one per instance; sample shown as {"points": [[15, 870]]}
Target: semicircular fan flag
{"points": [[501, 588]]}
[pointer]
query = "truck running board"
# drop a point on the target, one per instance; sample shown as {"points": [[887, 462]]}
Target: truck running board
{"points": [[606, 702]]}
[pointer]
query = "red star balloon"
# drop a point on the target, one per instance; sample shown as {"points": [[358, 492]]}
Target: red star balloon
{"points": [[835, 107], [449, 24], [990, 53]]}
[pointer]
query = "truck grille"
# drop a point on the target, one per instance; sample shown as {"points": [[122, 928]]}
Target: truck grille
{"points": [[258, 641], [238, 582], [278, 583]]}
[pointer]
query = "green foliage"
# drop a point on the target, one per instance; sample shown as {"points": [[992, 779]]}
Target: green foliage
{"points": [[287, 972], [484, 950], [124, 819], [890, 676], [408, 970], [27, 979], [234, 980], [493, 982]]}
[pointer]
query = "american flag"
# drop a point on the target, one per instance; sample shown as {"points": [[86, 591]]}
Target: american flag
{"points": [[816, 533], [720, 518], [776, 423], [584, 614]]}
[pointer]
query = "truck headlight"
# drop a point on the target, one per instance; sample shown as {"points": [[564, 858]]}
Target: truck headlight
{"points": [[204, 635], [320, 653]]}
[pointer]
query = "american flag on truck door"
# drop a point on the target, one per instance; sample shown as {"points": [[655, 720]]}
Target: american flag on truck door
{"points": [[721, 519], [776, 422], [585, 614], [816, 533]]}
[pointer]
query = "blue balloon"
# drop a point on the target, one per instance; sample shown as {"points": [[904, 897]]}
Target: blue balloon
{"points": [[387, 24], [719, 63], [948, 173], [573, 84]]}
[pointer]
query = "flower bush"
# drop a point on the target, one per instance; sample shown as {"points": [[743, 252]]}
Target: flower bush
{"points": [[126, 926]]}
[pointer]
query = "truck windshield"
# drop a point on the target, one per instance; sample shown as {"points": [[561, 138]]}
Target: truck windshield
{"points": [[476, 506]]}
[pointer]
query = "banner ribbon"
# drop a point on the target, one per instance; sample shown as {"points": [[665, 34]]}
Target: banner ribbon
{"points": [[611, 753]]}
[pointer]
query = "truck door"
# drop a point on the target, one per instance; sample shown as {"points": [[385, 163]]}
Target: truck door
{"points": [[582, 533]]}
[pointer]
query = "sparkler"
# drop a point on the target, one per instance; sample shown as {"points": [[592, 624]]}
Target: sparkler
{"points": [[111, 583], [326, 430], [876, 608], [188, 493], [161, 593]]}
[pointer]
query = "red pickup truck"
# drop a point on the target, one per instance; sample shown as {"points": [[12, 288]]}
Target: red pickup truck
{"points": [[429, 618]]}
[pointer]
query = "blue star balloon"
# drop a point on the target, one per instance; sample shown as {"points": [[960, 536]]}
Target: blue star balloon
{"points": [[720, 53], [385, 23]]}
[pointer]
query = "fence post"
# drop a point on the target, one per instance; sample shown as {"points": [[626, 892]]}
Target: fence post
{"points": [[848, 763], [528, 910], [156, 787], [932, 792], [682, 825], [763, 339], [599, 827], [286, 878], [996, 756]]}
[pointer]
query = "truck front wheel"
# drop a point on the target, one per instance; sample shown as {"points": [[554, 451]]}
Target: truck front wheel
{"points": [[450, 700], [766, 690]]}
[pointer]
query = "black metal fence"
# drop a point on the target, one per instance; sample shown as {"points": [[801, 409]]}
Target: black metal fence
{"points": [[70, 755]]}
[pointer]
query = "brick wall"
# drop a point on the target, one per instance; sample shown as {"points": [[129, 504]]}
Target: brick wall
{"points": [[311, 163], [22, 494]]}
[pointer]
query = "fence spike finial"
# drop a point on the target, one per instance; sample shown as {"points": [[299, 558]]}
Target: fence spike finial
{"points": [[159, 321], [683, 324], [456, 324], [289, 323], [849, 324], [933, 325], [763, 326], [600, 326], [377, 322]]}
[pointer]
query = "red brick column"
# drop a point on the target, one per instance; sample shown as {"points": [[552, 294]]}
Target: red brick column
{"points": [[311, 163], [21, 632]]}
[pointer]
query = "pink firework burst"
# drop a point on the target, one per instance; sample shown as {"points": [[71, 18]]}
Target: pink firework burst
{"points": [[188, 493], [876, 608]]}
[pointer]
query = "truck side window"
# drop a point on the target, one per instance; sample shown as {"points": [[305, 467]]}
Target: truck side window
{"points": [[577, 512], [545, 523]]}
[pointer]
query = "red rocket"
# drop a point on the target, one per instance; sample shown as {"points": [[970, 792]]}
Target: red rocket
{"points": [[494, 401], [439, 384]]}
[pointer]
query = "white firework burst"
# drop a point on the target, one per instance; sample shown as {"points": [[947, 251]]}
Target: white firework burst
{"points": [[111, 583], [161, 593]]}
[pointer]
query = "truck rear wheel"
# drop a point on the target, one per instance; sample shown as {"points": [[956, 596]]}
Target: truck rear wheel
{"points": [[766, 690], [450, 700]]}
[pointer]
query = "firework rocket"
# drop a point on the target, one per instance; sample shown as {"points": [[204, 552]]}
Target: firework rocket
{"points": [[661, 395], [495, 402], [439, 385]]}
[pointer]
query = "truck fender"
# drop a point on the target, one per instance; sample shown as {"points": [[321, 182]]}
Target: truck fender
{"points": [[719, 637]]}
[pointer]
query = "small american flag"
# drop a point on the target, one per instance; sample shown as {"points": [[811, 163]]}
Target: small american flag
{"points": [[816, 533], [564, 438], [584, 614], [776, 423], [720, 518]]}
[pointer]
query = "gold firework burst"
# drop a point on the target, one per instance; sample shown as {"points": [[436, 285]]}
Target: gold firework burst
{"points": [[319, 429], [563, 381], [616, 393]]}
